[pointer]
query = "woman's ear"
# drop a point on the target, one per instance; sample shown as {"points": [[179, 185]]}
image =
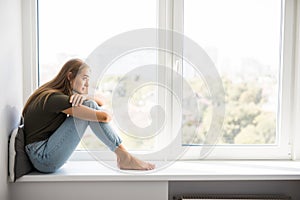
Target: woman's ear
{"points": [[69, 75]]}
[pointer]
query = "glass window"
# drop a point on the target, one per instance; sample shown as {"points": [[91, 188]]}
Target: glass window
{"points": [[243, 39], [74, 28]]}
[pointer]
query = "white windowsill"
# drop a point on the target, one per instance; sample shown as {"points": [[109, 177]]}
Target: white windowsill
{"points": [[178, 171]]}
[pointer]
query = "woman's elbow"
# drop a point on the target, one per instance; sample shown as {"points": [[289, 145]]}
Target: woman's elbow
{"points": [[105, 117]]}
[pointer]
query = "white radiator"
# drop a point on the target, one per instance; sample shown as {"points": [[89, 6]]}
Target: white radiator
{"points": [[231, 197]]}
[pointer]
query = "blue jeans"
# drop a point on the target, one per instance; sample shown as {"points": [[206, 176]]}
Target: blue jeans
{"points": [[49, 155]]}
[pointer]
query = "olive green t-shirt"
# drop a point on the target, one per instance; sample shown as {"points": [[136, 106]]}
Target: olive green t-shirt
{"points": [[41, 122]]}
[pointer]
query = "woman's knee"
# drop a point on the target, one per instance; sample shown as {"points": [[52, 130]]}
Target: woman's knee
{"points": [[90, 104]]}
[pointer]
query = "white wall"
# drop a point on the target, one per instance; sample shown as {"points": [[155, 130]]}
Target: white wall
{"points": [[97, 190], [10, 80]]}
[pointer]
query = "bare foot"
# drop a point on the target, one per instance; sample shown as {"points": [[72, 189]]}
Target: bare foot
{"points": [[128, 162]]}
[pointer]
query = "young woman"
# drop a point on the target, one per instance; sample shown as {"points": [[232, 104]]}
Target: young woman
{"points": [[56, 116]]}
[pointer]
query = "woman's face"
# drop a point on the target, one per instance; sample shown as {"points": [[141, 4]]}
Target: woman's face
{"points": [[80, 84]]}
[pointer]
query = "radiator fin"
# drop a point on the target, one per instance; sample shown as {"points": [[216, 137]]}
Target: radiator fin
{"points": [[231, 197]]}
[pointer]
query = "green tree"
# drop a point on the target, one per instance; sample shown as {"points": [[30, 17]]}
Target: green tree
{"points": [[246, 120]]}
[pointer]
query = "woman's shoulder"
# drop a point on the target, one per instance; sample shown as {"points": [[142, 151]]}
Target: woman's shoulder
{"points": [[58, 101], [58, 95]]}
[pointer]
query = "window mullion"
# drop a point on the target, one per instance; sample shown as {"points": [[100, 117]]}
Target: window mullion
{"points": [[177, 66], [164, 77], [171, 19]]}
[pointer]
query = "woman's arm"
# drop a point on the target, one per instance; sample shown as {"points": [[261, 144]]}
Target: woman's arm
{"points": [[89, 114]]}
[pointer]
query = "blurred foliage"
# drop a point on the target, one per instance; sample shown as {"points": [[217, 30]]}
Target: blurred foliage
{"points": [[246, 121]]}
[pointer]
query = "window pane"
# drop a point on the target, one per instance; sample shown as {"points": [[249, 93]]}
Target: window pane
{"points": [[242, 37], [74, 28]]}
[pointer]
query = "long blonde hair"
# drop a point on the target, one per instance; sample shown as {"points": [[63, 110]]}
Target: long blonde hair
{"points": [[60, 83]]}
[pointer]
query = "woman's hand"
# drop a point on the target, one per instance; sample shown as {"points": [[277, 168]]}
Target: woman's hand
{"points": [[77, 99]]}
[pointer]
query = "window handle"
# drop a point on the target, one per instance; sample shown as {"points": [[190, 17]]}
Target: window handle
{"points": [[177, 65]]}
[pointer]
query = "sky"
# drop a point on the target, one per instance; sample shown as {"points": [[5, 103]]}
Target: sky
{"points": [[230, 31]]}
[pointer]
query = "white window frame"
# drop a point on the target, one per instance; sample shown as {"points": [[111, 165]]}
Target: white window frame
{"points": [[282, 150], [295, 61], [29, 47], [289, 146]]}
